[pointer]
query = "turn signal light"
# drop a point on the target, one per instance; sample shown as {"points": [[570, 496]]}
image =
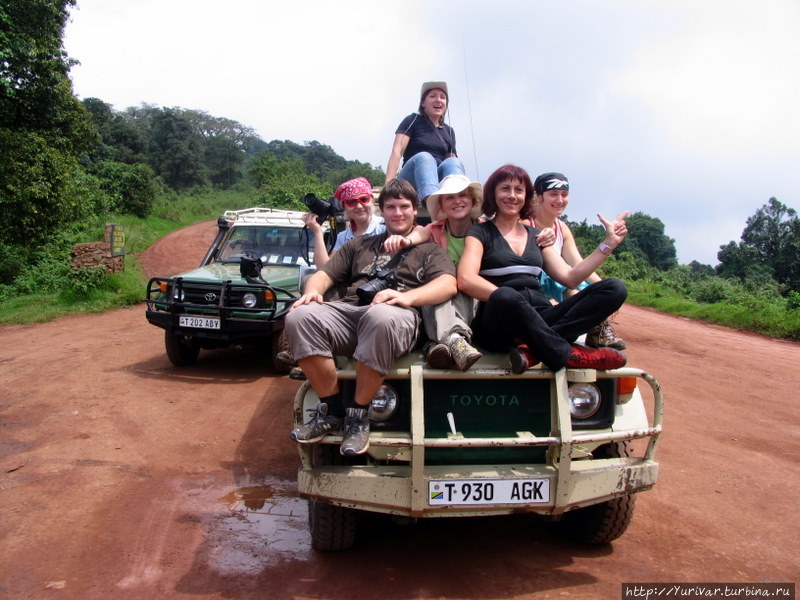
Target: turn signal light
{"points": [[269, 295]]}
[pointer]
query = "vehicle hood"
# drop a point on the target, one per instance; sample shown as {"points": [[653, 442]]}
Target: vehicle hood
{"points": [[286, 277]]}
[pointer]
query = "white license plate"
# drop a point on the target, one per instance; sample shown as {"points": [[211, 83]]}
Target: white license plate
{"points": [[488, 491], [199, 322]]}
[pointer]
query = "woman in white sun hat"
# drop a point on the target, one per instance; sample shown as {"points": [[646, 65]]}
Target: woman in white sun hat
{"points": [[455, 206]]}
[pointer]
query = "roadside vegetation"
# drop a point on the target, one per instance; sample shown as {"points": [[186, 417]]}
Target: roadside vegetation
{"points": [[70, 166]]}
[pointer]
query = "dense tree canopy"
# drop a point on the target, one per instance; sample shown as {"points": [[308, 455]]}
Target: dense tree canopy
{"points": [[770, 244], [43, 127], [645, 240]]}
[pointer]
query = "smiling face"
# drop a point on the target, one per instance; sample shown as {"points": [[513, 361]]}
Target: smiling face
{"points": [[553, 202], [510, 196], [360, 213], [399, 215], [434, 105], [457, 206]]}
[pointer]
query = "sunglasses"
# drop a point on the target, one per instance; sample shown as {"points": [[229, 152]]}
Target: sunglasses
{"points": [[352, 202]]}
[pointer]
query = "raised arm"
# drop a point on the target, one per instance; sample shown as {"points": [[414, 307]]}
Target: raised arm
{"points": [[571, 254], [558, 269], [398, 148], [321, 255], [469, 265]]}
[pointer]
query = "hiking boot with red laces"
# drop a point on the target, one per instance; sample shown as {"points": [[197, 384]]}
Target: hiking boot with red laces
{"points": [[521, 359], [602, 359]]}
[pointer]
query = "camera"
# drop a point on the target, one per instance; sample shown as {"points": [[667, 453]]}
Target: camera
{"points": [[324, 209], [250, 267], [380, 279]]}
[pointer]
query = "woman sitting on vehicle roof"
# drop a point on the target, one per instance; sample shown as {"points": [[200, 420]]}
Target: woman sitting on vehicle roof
{"points": [[500, 267], [426, 145]]}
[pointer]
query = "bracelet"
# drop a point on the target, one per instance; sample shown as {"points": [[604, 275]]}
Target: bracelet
{"points": [[408, 239], [605, 249]]}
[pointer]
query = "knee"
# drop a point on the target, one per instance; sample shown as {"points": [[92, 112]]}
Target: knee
{"points": [[615, 288]]}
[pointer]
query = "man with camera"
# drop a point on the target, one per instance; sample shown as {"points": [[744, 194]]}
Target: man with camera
{"points": [[375, 322]]}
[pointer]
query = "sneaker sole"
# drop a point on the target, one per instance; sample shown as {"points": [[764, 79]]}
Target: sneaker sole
{"points": [[471, 360], [350, 452], [440, 360], [519, 364]]}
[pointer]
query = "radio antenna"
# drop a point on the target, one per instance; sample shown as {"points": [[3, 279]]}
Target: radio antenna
{"points": [[469, 110]]}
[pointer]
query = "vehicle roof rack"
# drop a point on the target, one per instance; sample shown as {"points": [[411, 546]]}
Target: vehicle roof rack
{"points": [[264, 216]]}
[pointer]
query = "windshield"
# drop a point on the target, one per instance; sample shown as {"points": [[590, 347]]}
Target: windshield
{"points": [[273, 245]]}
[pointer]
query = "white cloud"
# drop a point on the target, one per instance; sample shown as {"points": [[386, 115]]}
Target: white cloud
{"points": [[680, 109]]}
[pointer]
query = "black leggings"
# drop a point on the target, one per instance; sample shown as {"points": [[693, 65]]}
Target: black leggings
{"points": [[510, 317]]}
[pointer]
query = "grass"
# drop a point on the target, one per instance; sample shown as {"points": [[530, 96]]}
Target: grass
{"points": [[128, 287], [772, 317]]}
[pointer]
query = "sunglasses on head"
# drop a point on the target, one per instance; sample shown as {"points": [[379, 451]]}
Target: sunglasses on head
{"points": [[351, 202]]}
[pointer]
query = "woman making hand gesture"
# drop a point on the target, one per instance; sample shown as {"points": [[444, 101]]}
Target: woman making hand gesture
{"points": [[500, 267]]}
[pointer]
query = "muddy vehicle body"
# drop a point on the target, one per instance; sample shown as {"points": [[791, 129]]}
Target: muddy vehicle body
{"points": [[239, 294], [575, 446]]}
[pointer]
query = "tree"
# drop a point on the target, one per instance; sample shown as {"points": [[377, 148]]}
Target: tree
{"points": [[175, 150], [646, 238], [284, 182], [770, 243], [120, 140], [43, 127]]}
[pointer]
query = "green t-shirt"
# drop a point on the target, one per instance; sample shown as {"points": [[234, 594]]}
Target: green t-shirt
{"points": [[455, 246]]}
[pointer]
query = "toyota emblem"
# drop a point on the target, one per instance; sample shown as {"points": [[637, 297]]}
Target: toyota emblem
{"points": [[210, 297]]}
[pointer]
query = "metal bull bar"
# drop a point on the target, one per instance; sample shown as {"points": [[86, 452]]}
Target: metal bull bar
{"points": [[574, 482]]}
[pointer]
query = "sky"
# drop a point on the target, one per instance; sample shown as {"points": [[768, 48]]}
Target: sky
{"points": [[686, 110]]}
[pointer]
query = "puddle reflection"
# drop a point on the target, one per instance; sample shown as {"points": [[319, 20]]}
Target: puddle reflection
{"points": [[264, 525]]}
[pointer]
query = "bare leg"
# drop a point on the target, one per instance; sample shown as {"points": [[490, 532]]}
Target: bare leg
{"points": [[321, 374], [367, 383]]}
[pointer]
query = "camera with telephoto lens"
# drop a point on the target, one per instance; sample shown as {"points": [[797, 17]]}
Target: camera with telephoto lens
{"points": [[380, 279], [324, 209]]}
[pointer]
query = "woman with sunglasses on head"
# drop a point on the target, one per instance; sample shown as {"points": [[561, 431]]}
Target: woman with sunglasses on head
{"points": [[426, 145], [356, 198], [500, 267]]}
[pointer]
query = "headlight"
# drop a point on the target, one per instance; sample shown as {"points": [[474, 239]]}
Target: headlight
{"points": [[177, 294], [584, 400], [384, 404], [249, 300]]}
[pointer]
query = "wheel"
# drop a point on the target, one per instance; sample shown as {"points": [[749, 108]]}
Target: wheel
{"points": [[606, 521], [279, 362], [332, 527], [181, 350]]}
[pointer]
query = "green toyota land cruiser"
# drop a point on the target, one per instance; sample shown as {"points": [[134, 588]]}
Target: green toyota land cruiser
{"points": [[242, 289]]}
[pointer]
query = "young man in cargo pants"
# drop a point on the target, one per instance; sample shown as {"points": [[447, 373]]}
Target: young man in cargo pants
{"points": [[375, 325]]}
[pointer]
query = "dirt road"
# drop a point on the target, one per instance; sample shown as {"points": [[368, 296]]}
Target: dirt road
{"points": [[124, 477]]}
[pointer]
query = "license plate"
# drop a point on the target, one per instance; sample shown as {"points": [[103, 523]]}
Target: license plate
{"points": [[199, 322], [488, 491]]}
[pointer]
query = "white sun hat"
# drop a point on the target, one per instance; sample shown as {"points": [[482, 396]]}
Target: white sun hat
{"points": [[453, 184]]}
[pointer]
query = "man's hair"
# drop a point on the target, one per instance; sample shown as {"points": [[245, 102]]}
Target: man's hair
{"points": [[507, 173], [398, 188]]}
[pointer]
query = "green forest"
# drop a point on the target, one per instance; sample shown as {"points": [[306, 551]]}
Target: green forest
{"points": [[71, 165]]}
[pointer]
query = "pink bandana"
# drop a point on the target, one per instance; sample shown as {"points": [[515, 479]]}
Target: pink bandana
{"points": [[353, 189]]}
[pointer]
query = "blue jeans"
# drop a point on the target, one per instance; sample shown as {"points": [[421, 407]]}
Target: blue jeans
{"points": [[424, 174]]}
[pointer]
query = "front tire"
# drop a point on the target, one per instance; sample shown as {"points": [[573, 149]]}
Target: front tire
{"points": [[332, 528], [604, 522], [181, 350]]}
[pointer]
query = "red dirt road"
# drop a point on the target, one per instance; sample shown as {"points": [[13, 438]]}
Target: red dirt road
{"points": [[122, 476]]}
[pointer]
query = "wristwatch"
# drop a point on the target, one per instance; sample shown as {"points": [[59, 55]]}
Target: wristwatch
{"points": [[605, 249]]}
